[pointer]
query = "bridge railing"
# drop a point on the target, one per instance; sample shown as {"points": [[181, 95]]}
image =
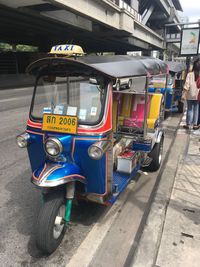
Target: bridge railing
{"points": [[123, 5]]}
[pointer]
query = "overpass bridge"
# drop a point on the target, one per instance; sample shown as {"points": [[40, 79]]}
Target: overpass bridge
{"points": [[97, 25]]}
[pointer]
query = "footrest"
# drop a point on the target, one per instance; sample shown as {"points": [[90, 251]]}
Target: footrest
{"points": [[146, 162]]}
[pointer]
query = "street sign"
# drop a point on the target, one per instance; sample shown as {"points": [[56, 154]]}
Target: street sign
{"points": [[189, 41]]}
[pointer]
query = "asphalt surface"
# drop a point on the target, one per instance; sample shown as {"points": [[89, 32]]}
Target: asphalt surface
{"points": [[20, 201]]}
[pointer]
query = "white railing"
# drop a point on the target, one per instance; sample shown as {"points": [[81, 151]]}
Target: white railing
{"points": [[124, 5]]}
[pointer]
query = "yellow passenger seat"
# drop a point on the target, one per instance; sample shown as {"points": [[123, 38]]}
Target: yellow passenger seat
{"points": [[154, 112]]}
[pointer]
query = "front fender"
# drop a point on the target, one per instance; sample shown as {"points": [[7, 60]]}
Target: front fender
{"points": [[159, 136], [54, 174]]}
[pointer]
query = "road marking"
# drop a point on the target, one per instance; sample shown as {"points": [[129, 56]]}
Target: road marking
{"points": [[88, 248], [15, 98], [22, 89], [10, 99], [20, 97], [16, 89]]}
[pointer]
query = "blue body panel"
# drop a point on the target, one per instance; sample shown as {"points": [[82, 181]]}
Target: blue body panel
{"points": [[168, 102], [93, 170], [35, 149], [65, 169], [156, 90]]}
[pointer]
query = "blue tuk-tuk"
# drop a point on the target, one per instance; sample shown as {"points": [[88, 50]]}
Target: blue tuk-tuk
{"points": [[171, 87], [86, 138]]}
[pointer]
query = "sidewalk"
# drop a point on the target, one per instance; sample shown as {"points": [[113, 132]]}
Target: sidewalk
{"points": [[171, 237], [180, 243]]}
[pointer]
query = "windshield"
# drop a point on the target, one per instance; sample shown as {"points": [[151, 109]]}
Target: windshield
{"points": [[74, 96]]}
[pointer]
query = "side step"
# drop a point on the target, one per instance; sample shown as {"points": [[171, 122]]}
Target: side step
{"points": [[146, 162]]}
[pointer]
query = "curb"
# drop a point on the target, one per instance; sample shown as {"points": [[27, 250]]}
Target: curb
{"points": [[146, 244]]}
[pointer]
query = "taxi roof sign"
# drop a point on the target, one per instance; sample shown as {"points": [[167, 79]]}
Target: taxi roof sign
{"points": [[67, 50]]}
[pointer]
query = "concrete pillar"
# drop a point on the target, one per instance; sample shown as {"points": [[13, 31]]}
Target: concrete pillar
{"points": [[123, 52], [170, 56], [147, 53], [161, 54]]}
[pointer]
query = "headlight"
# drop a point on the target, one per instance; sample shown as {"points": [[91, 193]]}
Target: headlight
{"points": [[23, 139], [53, 147], [97, 150]]}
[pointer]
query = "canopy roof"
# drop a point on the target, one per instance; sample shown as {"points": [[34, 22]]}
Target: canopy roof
{"points": [[176, 66], [110, 66]]}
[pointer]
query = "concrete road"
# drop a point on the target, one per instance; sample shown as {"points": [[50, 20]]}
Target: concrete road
{"points": [[97, 236]]}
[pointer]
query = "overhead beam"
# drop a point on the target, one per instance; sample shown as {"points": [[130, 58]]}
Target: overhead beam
{"points": [[32, 27], [147, 14]]}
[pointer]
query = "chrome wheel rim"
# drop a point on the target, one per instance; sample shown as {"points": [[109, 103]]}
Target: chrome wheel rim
{"points": [[58, 228], [161, 151]]}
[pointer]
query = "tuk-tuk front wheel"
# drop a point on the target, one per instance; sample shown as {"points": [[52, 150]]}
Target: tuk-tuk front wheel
{"points": [[156, 156], [50, 232]]}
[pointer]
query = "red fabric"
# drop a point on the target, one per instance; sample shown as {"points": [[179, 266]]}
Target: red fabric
{"points": [[198, 82], [198, 86]]}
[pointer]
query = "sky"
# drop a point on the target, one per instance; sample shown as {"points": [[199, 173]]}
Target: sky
{"points": [[191, 9]]}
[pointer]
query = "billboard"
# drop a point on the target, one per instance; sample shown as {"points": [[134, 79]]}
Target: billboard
{"points": [[189, 41]]}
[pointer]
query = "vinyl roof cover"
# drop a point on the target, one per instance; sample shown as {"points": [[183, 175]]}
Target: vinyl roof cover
{"points": [[111, 66], [175, 66]]}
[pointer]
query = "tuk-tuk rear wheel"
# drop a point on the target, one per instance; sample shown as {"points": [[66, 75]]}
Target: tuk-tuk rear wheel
{"points": [[156, 155], [48, 234]]}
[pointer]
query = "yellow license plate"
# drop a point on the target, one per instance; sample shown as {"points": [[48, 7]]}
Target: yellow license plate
{"points": [[60, 123]]}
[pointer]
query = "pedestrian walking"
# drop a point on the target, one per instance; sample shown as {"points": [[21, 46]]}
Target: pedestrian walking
{"points": [[190, 94]]}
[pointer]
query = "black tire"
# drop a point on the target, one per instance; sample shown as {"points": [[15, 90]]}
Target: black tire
{"points": [[45, 228], [156, 155], [180, 107]]}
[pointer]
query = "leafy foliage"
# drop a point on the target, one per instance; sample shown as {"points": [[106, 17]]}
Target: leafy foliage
{"points": [[19, 48]]}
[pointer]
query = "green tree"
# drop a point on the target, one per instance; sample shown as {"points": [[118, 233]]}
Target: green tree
{"points": [[19, 48], [27, 48], [5, 47]]}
